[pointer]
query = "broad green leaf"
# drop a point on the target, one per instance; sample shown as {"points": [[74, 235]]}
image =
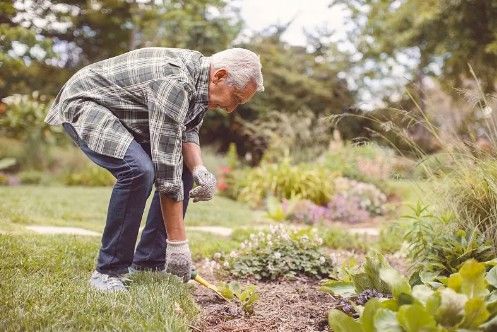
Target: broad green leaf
{"points": [[490, 326], [422, 293], [342, 288], [450, 312], [470, 279], [455, 282], [367, 317], [386, 321], [491, 276], [414, 318], [433, 303], [341, 322], [475, 313], [390, 304], [397, 283]]}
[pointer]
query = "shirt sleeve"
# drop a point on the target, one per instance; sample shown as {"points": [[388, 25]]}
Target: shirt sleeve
{"points": [[168, 104], [191, 135]]}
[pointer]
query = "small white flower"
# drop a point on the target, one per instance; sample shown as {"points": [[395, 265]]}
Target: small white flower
{"points": [[217, 255], [270, 244], [319, 240], [233, 254], [277, 255], [322, 260], [226, 264]]}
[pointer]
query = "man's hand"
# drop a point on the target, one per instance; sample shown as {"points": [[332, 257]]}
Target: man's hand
{"points": [[206, 184], [179, 259]]}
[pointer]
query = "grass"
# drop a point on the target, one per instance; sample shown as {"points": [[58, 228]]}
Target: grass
{"points": [[87, 208], [45, 287]]}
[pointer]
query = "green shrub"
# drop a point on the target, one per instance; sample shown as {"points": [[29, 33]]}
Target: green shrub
{"points": [[466, 301], [279, 253], [338, 238], [23, 120], [91, 176], [366, 162], [472, 196], [31, 177], [437, 244], [282, 180]]}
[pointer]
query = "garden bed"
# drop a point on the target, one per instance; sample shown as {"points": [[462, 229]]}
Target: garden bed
{"points": [[296, 305], [283, 306]]}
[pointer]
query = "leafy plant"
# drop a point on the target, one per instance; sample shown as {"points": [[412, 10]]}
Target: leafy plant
{"points": [[472, 196], [353, 280], [247, 296], [465, 301], [279, 253], [438, 245], [90, 176], [282, 180], [23, 120]]}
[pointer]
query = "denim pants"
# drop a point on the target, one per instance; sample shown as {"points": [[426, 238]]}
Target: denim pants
{"points": [[135, 178]]}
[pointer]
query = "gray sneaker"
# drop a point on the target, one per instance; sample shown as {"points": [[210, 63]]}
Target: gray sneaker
{"points": [[106, 283]]}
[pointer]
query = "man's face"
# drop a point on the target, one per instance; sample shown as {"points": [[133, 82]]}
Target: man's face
{"points": [[225, 96]]}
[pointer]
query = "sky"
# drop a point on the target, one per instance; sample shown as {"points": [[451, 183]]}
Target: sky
{"points": [[309, 14]]}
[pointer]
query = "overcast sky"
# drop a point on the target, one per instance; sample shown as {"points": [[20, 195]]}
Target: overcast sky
{"points": [[309, 14]]}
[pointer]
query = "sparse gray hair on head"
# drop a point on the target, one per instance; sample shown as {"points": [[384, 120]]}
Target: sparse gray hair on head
{"points": [[242, 65]]}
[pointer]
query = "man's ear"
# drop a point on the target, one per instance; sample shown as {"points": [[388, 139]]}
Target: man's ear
{"points": [[219, 75]]}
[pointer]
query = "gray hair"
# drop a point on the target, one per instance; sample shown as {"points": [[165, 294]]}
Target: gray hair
{"points": [[242, 65]]}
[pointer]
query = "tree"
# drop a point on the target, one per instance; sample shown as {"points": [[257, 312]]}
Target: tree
{"points": [[444, 35]]}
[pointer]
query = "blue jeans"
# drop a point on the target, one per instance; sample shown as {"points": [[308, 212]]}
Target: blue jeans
{"points": [[135, 177]]}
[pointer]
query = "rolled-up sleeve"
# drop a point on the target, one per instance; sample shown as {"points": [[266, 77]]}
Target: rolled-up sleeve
{"points": [[191, 135], [168, 105]]}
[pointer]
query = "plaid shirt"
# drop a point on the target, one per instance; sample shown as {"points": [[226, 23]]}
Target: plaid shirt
{"points": [[153, 95]]}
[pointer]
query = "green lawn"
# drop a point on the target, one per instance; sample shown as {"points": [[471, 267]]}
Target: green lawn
{"points": [[87, 207], [44, 279], [44, 286]]}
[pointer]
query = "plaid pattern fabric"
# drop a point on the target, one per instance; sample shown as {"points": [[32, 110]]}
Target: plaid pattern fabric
{"points": [[155, 95]]}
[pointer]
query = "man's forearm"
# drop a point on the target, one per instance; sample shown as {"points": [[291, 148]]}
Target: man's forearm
{"points": [[192, 156], [172, 213]]}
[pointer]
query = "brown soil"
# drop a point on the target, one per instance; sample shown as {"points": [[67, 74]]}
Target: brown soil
{"points": [[296, 305], [283, 306]]}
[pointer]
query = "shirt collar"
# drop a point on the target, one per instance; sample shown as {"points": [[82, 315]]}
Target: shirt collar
{"points": [[202, 85]]}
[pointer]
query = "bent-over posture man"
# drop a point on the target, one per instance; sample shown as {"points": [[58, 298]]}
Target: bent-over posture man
{"points": [[138, 115]]}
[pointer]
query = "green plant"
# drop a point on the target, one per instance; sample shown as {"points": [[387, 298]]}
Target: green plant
{"points": [[282, 180], [23, 120], [338, 238], [247, 296], [352, 279], [279, 253], [31, 177], [471, 195], [466, 301], [90, 176], [438, 245], [275, 210]]}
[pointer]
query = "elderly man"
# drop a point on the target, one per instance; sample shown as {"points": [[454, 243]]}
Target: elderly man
{"points": [[138, 116]]}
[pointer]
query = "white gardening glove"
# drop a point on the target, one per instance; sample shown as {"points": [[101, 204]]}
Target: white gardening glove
{"points": [[206, 182], [179, 259]]}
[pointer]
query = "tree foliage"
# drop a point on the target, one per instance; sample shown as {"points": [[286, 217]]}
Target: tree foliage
{"points": [[446, 35]]}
